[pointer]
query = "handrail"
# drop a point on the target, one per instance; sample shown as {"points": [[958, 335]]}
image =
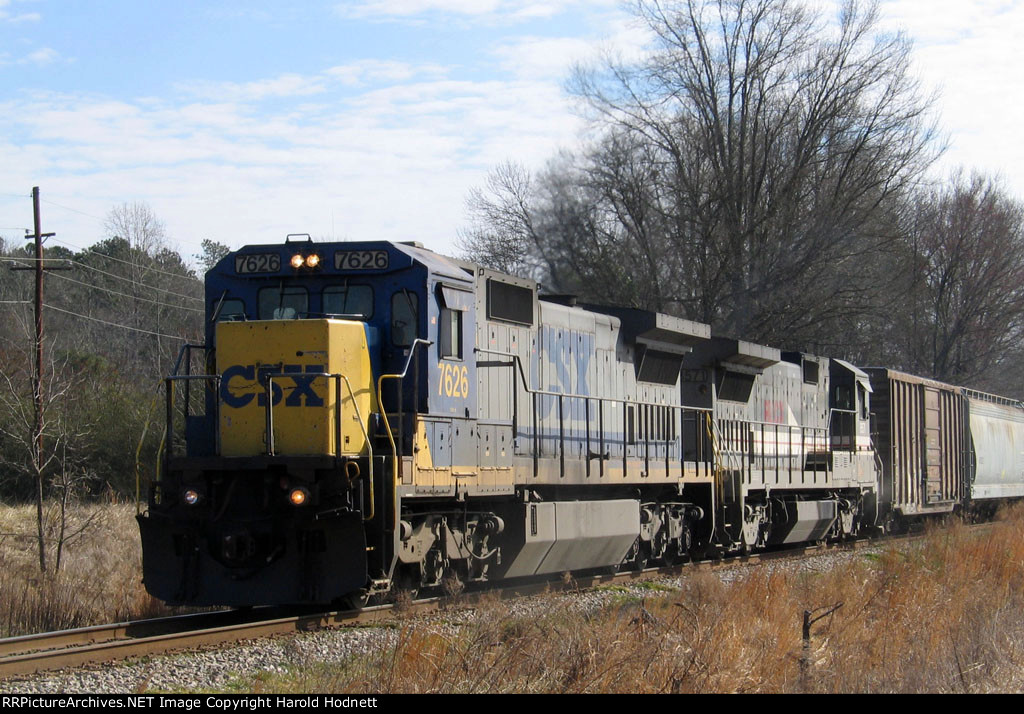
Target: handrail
{"points": [[518, 362], [138, 450], [337, 419], [570, 395], [387, 423], [186, 354], [854, 446], [384, 412], [167, 441], [719, 449], [188, 378], [187, 347], [992, 398]]}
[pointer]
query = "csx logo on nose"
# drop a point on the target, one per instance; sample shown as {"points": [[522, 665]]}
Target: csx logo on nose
{"points": [[299, 394]]}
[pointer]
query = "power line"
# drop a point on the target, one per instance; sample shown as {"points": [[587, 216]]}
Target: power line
{"points": [[102, 221], [103, 272], [125, 295], [114, 324], [73, 210], [26, 259], [72, 261], [129, 280], [128, 262], [108, 257]]}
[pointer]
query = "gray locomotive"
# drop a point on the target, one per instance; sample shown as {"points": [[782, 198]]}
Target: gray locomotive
{"points": [[377, 414]]}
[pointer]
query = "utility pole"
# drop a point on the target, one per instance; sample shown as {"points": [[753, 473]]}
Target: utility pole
{"points": [[37, 375], [37, 378]]}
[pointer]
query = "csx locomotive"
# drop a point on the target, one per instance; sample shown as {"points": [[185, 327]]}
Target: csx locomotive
{"points": [[375, 414]]}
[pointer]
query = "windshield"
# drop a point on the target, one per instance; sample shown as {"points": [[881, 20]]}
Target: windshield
{"points": [[280, 303], [349, 301]]}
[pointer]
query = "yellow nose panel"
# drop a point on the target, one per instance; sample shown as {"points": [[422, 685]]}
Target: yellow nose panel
{"points": [[304, 403]]}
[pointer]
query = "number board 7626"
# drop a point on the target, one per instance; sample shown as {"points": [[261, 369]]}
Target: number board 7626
{"points": [[257, 263], [361, 260]]}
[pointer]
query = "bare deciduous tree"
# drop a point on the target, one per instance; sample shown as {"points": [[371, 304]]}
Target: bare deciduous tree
{"points": [[56, 467], [746, 169], [155, 275], [503, 236], [966, 244], [137, 224]]}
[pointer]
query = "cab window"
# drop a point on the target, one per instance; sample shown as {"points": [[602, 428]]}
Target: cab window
{"points": [[404, 312], [451, 334], [283, 303], [231, 309], [348, 301]]}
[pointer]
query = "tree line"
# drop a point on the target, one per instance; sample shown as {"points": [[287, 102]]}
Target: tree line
{"points": [[114, 322], [760, 169], [765, 170]]}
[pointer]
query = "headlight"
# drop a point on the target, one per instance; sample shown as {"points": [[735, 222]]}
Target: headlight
{"points": [[191, 496], [297, 261], [298, 496], [312, 260]]}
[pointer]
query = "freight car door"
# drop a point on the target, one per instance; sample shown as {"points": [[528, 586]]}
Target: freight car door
{"points": [[933, 456]]}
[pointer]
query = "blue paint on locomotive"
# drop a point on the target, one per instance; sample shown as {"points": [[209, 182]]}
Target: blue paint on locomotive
{"points": [[398, 290]]}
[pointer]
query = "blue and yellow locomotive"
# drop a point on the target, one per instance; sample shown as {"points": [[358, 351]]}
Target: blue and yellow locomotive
{"points": [[375, 414]]}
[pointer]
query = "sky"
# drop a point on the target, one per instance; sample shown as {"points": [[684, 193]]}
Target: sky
{"points": [[241, 121]]}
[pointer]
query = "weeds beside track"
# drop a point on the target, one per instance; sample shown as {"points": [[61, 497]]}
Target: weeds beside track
{"points": [[944, 613]]}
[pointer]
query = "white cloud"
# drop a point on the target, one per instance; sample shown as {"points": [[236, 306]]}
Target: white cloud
{"points": [[364, 72], [482, 10], [553, 57], [354, 74], [383, 149], [543, 57], [391, 160], [17, 19], [7, 16], [406, 8], [970, 52], [285, 85], [42, 57]]}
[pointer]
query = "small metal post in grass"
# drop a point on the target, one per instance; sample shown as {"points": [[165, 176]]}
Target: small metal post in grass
{"points": [[805, 657]]}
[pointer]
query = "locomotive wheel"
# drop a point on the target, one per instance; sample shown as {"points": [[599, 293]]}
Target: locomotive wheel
{"points": [[660, 545], [674, 555], [643, 556], [432, 569], [679, 550], [638, 556]]}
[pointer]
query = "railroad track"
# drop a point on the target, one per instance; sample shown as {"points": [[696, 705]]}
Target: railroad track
{"points": [[30, 654]]}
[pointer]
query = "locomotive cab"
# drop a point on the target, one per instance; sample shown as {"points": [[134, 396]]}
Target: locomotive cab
{"points": [[279, 492]]}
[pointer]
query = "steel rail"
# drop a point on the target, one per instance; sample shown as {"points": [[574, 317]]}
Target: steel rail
{"points": [[31, 654], [105, 643]]}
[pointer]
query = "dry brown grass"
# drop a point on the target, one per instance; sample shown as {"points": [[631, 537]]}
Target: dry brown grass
{"points": [[99, 581], [944, 616]]}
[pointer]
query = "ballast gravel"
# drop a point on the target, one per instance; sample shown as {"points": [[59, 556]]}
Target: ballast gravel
{"points": [[227, 668]]}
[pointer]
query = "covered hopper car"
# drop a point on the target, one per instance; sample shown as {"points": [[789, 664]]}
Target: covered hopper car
{"points": [[369, 415]]}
